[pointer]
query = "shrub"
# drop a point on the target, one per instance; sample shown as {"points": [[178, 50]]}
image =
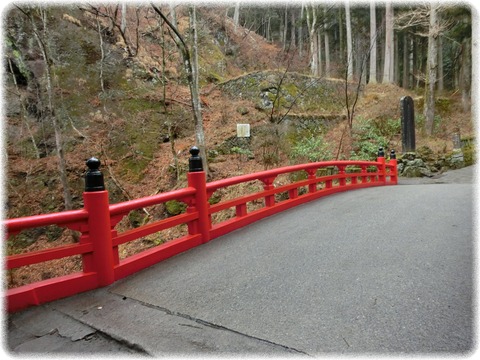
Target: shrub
{"points": [[311, 149], [369, 135]]}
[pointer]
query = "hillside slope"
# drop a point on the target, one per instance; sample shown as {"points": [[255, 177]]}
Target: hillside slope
{"points": [[135, 124]]}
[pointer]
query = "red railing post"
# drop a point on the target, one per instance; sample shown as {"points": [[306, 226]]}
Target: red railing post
{"points": [[382, 168], [364, 175], [312, 174], [393, 169], [268, 185], [198, 180], [96, 203], [341, 170]]}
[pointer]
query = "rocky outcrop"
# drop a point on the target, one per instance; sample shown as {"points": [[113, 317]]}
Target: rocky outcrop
{"points": [[424, 163], [289, 90]]}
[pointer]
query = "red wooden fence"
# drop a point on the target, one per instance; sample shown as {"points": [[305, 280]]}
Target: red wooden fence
{"points": [[99, 241]]}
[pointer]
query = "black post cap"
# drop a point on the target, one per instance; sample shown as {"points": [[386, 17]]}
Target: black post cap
{"points": [[195, 162], [94, 177], [381, 153], [393, 155]]}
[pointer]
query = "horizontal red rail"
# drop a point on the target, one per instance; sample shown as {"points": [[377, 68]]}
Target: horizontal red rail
{"points": [[16, 261], [66, 217], [99, 242], [127, 206], [243, 217], [153, 228]]}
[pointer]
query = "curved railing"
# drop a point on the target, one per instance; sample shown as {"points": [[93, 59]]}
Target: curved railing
{"points": [[99, 242]]}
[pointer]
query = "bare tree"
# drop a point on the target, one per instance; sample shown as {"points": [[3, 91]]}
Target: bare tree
{"points": [[192, 77], [300, 32], [194, 88], [465, 73], [24, 110], [432, 57], [102, 55], [120, 25], [327, 44], [373, 44], [349, 42], [293, 40], [50, 110], [312, 29], [388, 73], [169, 122], [236, 14], [440, 84]]}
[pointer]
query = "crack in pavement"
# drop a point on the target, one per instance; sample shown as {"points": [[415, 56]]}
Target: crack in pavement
{"points": [[213, 325], [122, 341]]}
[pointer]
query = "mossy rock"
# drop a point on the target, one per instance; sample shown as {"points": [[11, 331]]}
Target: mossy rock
{"points": [[242, 110], [425, 153], [136, 218], [468, 141], [469, 157], [174, 207]]}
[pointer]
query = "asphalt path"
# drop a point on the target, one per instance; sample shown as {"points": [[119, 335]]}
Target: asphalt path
{"points": [[387, 270]]}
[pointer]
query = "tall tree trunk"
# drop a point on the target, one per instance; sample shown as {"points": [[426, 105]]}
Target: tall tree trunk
{"points": [[314, 55], [396, 63], [236, 14], [123, 21], [440, 85], [293, 40], [24, 110], [173, 14], [388, 76], [429, 107], [373, 44], [171, 133], [269, 33], [341, 37], [327, 45], [285, 28], [300, 32], [465, 76], [102, 56], [319, 48], [51, 108], [416, 68], [192, 77], [197, 109], [349, 42], [406, 61], [312, 29]]}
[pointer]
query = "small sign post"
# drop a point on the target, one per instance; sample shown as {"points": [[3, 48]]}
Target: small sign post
{"points": [[243, 130]]}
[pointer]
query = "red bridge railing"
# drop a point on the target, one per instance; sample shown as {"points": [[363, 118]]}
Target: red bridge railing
{"points": [[99, 242]]}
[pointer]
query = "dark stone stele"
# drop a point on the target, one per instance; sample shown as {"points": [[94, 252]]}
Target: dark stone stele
{"points": [[408, 124]]}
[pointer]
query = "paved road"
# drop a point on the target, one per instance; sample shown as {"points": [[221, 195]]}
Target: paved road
{"points": [[386, 270]]}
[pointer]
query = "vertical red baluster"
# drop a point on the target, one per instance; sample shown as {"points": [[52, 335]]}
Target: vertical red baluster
{"points": [[197, 179], [382, 177], [268, 185], [341, 173], [96, 203], [311, 176], [393, 169]]}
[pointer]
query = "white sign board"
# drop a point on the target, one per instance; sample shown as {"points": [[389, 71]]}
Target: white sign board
{"points": [[243, 130]]}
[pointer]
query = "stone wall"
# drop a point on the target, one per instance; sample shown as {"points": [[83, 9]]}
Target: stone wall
{"points": [[424, 162]]}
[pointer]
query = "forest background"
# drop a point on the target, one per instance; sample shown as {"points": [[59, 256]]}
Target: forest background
{"points": [[137, 84]]}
